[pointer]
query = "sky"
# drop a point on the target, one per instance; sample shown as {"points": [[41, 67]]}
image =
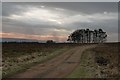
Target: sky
{"points": [[60, 1], [56, 20]]}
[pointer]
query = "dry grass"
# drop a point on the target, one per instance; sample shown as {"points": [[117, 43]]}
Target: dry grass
{"points": [[20, 56], [110, 53], [90, 68]]}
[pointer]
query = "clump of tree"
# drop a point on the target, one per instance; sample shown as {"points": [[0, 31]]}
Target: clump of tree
{"points": [[50, 41], [87, 36]]}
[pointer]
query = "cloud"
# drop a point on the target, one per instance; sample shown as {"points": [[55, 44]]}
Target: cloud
{"points": [[58, 19], [38, 16], [41, 16], [85, 18]]}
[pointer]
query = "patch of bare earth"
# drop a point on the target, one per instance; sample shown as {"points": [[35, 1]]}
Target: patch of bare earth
{"points": [[57, 67]]}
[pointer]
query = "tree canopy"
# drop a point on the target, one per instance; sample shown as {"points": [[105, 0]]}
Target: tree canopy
{"points": [[87, 36]]}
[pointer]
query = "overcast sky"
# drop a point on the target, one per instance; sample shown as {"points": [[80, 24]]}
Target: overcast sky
{"points": [[56, 20]]}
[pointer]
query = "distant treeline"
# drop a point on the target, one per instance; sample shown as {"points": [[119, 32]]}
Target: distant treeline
{"points": [[87, 36]]}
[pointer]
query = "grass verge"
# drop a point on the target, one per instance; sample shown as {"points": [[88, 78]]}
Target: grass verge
{"points": [[22, 66], [98, 62], [86, 68]]}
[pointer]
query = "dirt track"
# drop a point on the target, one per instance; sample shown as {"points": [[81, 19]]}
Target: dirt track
{"points": [[58, 67]]}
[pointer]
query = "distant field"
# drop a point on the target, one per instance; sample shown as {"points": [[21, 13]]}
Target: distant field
{"points": [[18, 57], [18, 49], [99, 62]]}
